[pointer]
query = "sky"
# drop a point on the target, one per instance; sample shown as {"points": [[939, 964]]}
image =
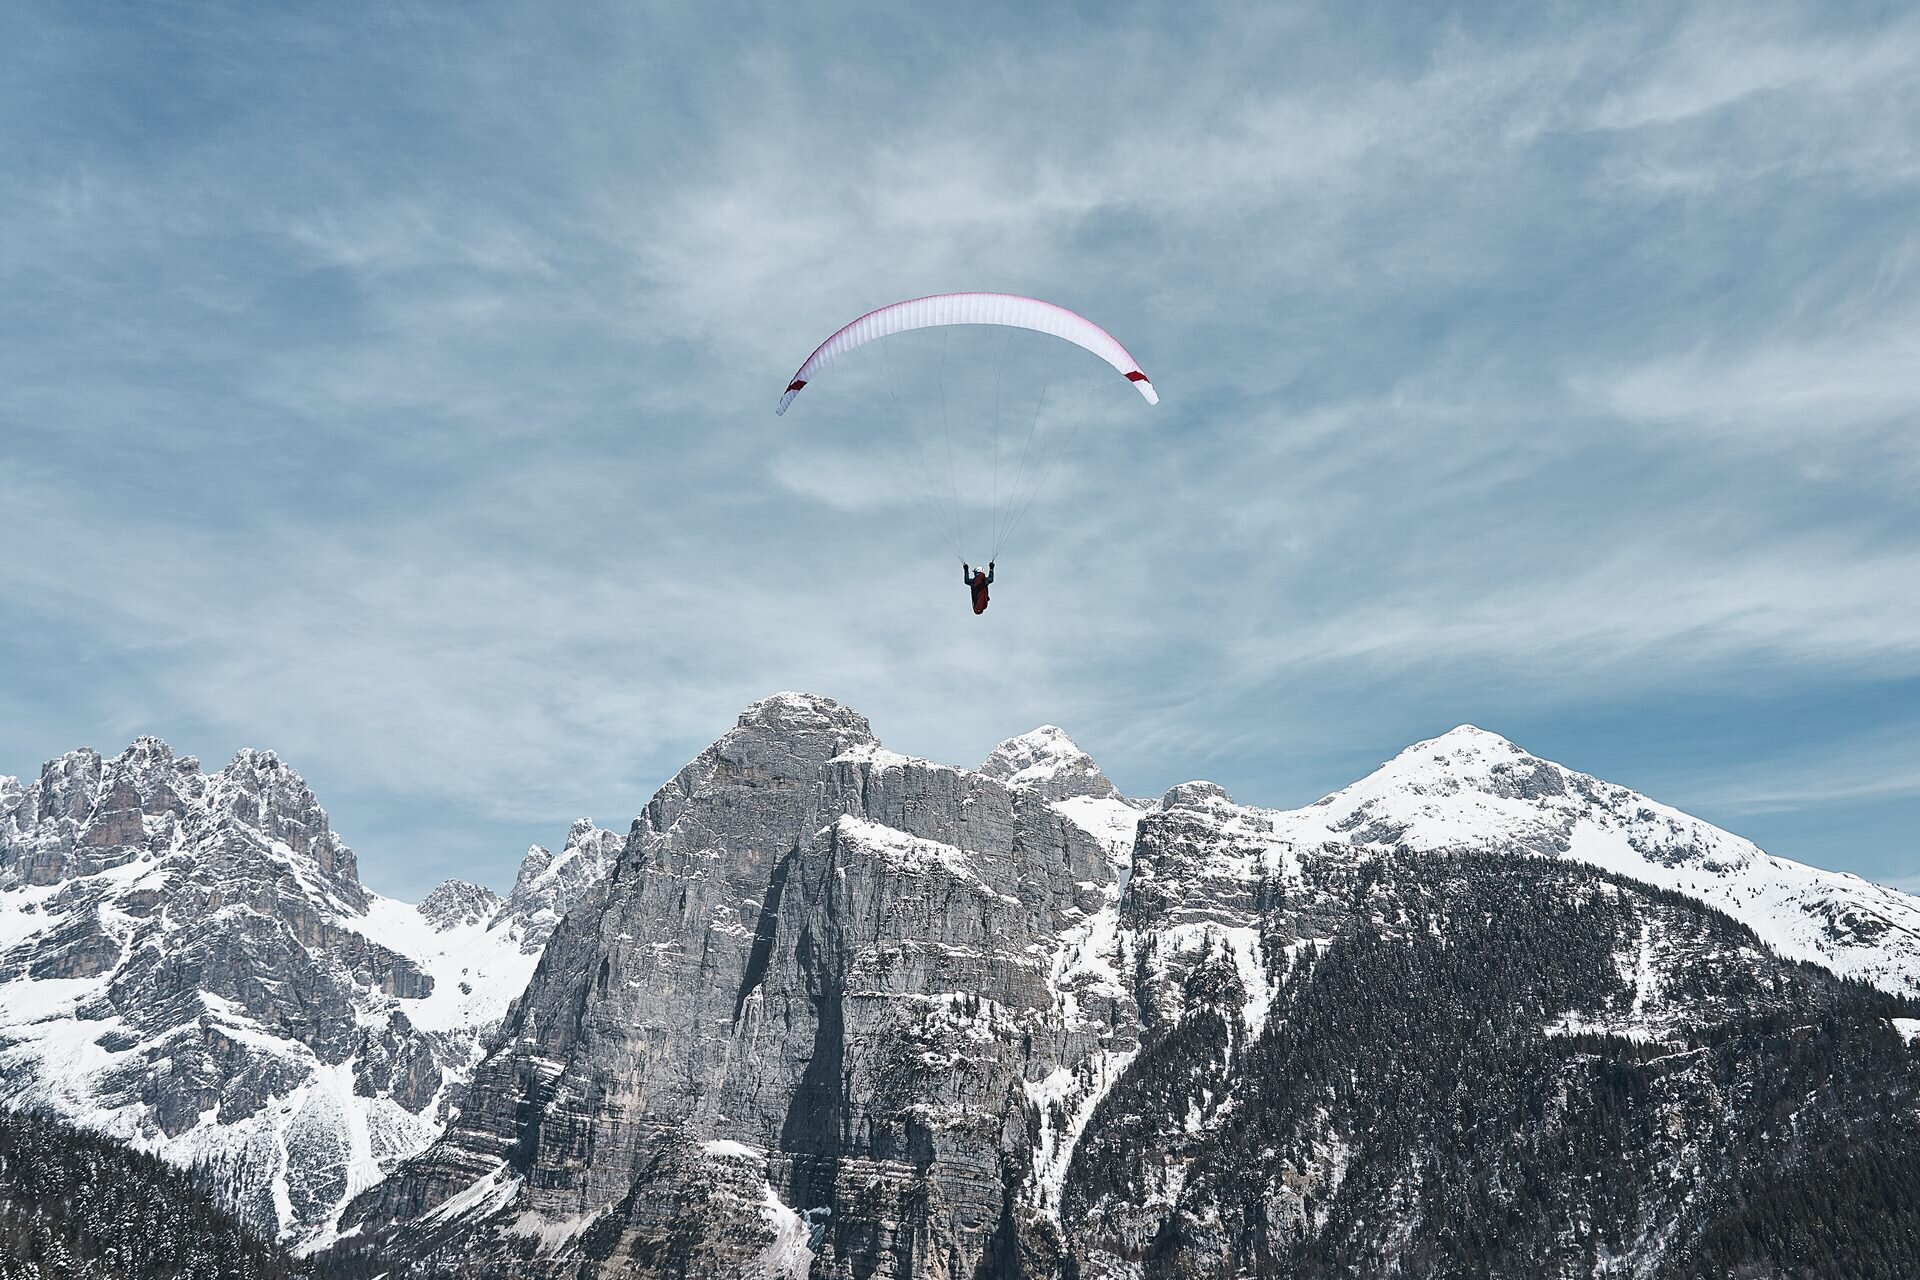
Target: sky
{"points": [[391, 386]]}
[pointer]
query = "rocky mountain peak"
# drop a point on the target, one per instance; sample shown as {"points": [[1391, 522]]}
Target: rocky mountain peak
{"points": [[148, 753], [1195, 795], [776, 741], [452, 903], [803, 714], [792, 861], [549, 884], [260, 791], [190, 961], [534, 865], [1050, 763], [85, 813], [66, 787]]}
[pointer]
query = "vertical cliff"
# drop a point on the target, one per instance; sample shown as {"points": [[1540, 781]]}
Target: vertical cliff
{"points": [[824, 959]]}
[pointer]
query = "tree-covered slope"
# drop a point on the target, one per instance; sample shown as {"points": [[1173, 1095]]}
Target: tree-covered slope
{"points": [[77, 1206], [1423, 1098]]}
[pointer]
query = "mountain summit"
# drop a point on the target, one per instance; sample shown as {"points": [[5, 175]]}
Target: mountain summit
{"points": [[1471, 789], [1047, 761]]}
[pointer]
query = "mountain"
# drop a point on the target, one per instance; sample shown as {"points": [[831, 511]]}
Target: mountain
{"points": [[1358, 1056], [190, 964], [548, 885], [831, 1010], [1470, 789], [838, 1011]]}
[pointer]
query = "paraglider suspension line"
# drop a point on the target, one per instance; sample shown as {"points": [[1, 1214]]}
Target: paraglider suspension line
{"points": [[1081, 401], [953, 488], [917, 480], [993, 509], [1020, 472]]}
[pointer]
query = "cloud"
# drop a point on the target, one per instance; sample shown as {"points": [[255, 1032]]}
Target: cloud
{"points": [[1806, 387], [1648, 619], [1726, 58], [417, 419], [1877, 766]]}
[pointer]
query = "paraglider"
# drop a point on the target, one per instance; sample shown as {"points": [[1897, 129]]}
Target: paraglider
{"points": [[978, 580], [972, 387]]}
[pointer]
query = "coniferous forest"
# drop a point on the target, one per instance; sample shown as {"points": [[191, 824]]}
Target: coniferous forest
{"points": [[77, 1206], [1474, 1137]]}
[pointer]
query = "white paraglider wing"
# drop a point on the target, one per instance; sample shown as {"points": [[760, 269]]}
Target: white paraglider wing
{"points": [[971, 308]]}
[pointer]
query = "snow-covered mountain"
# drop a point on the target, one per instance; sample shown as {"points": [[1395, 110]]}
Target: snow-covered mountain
{"points": [[189, 963], [847, 1008], [1471, 789]]}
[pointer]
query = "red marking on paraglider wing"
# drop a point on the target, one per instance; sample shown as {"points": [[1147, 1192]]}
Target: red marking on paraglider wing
{"points": [[1137, 376], [796, 384]]}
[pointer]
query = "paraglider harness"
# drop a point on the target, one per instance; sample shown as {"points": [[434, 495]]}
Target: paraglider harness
{"points": [[978, 581]]}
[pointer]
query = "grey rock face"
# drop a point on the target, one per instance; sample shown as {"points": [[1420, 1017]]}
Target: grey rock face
{"points": [[548, 886], [1193, 794], [452, 903], [707, 1212], [812, 947]]}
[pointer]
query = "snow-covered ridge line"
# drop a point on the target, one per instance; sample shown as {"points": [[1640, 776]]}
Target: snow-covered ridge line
{"points": [[1472, 789]]}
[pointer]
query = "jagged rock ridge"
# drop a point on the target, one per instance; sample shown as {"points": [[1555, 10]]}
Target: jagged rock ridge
{"points": [[189, 963]]}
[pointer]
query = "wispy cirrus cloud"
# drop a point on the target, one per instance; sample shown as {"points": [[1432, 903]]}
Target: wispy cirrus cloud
{"points": [[1808, 387], [1722, 59], [398, 392]]}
